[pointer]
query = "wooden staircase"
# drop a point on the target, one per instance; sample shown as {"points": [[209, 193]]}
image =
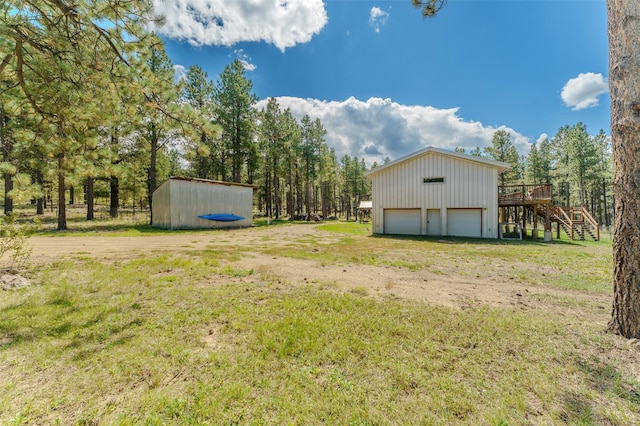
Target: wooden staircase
{"points": [[576, 222]]}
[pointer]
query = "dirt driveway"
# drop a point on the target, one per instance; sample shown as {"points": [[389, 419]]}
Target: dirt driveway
{"points": [[452, 290]]}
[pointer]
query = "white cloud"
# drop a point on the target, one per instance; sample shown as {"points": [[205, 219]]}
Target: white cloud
{"points": [[377, 128], [583, 91], [377, 18], [283, 23], [245, 60], [542, 137], [180, 72]]}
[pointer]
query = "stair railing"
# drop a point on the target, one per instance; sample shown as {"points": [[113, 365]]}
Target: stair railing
{"points": [[592, 222]]}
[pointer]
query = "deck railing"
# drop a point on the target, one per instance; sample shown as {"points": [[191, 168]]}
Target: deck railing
{"points": [[513, 194]]}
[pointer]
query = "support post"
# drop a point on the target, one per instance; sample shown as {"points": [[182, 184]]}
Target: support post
{"points": [[534, 232], [547, 223]]}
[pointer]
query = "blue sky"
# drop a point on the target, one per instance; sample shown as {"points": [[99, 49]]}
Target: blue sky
{"points": [[386, 82]]}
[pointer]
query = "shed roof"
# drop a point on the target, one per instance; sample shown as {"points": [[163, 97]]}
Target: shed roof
{"points": [[501, 166], [215, 182], [365, 205]]}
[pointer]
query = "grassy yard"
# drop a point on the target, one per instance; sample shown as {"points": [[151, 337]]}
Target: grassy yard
{"points": [[189, 337]]}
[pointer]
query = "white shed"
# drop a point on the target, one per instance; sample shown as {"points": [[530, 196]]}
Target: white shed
{"points": [[178, 203], [437, 192]]}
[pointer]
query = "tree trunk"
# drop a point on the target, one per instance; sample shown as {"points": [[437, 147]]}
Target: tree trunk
{"points": [[72, 195], [152, 173], [236, 156], [47, 196], [7, 147], [267, 192], [8, 201], [114, 184], [299, 199], [290, 193], [607, 220], [276, 188], [62, 206], [624, 67], [40, 201], [307, 191], [325, 199], [114, 196], [89, 197]]}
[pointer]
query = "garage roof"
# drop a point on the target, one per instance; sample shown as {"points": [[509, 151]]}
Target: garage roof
{"points": [[501, 166]]}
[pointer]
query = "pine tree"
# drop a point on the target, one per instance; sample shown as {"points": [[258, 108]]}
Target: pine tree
{"points": [[198, 92], [502, 149], [234, 113]]}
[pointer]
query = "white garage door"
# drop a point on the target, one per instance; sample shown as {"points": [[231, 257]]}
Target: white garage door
{"points": [[402, 221], [464, 222]]}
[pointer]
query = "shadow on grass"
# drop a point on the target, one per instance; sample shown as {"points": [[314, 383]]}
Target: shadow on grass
{"points": [[603, 379], [467, 240], [81, 226], [101, 227], [84, 335], [259, 222]]}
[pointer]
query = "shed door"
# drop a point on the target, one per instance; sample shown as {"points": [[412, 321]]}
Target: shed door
{"points": [[402, 221], [433, 222], [464, 222]]}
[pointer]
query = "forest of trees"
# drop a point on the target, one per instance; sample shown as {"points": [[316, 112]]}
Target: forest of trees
{"points": [[110, 130], [96, 114]]}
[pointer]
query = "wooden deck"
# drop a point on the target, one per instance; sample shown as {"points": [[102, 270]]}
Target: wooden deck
{"points": [[576, 222], [523, 195]]}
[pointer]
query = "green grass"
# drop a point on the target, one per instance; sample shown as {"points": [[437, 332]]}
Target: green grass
{"points": [[351, 228], [190, 338]]}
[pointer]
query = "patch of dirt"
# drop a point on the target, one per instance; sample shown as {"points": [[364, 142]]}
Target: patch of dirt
{"points": [[429, 286], [11, 281]]}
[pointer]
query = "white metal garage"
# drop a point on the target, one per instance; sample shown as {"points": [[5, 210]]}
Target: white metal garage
{"points": [[402, 221], [464, 222], [436, 192]]}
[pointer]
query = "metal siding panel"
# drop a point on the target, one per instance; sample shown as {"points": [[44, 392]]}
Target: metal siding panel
{"points": [[492, 210], [473, 196], [375, 201], [455, 184], [459, 193], [408, 183], [404, 194], [466, 180], [162, 206], [436, 197], [420, 194], [389, 188], [438, 201], [400, 187], [449, 182], [392, 194]]}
